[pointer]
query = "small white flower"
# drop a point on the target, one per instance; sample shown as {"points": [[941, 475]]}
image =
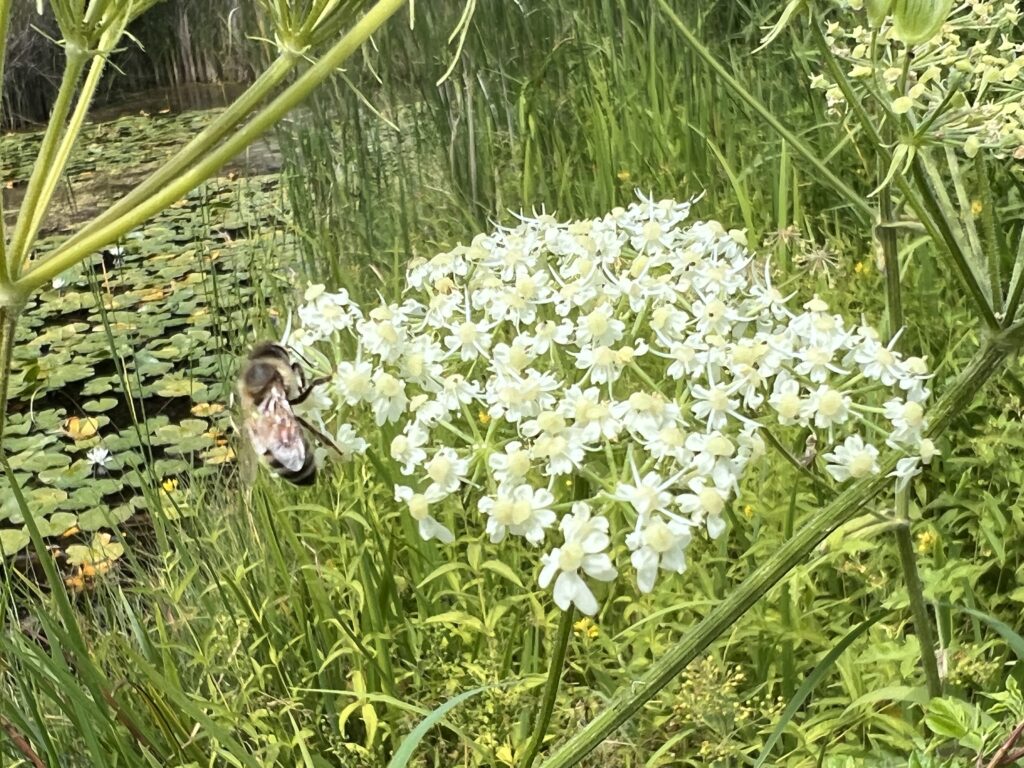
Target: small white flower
{"points": [[407, 448], [907, 420], [586, 540], [469, 340], [827, 406], [354, 381], [786, 401], [388, 398], [446, 471], [658, 544], [520, 510], [646, 495], [854, 458], [704, 504], [419, 508], [512, 465], [98, 456], [599, 328]]}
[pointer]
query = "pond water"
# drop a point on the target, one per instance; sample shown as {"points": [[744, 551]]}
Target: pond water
{"points": [[129, 353]]}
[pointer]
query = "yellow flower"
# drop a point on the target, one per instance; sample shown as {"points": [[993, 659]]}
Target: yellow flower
{"points": [[859, 267], [586, 627], [484, 418], [624, 175], [926, 541], [976, 207], [748, 511], [170, 484]]}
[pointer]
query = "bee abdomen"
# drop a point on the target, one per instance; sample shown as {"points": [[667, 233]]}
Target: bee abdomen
{"points": [[304, 475]]}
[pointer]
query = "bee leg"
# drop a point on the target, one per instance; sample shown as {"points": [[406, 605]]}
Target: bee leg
{"points": [[299, 398], [320, 436]]}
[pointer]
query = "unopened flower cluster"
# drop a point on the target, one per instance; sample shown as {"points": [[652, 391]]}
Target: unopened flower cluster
{"points": [[595, 389], [966, 83]]}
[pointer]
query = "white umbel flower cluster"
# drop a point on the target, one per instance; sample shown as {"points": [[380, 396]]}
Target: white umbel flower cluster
{"points": [[597, 388]]}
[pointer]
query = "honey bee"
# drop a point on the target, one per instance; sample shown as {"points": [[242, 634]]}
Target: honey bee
{"points": [[268, 386]]}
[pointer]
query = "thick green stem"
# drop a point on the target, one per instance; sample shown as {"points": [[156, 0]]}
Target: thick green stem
{"points": [[918, 608], [989, 359], [69, 255], [9, 314], [43, 168], [208, 137], [894, 304], [540, 725], [788, 662], [5, 18], [60, 159]]}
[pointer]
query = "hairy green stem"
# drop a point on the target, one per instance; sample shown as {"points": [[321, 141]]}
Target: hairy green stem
{"points": [[558, 651], [227, 120], [918, 607], [904, 544], [34, 194], [5, 18], [9, 314], [69, 255], [855, 199], [851, 502], [786, 608]]}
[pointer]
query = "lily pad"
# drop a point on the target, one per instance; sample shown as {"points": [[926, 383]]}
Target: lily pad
{"points": [[101, 405], [102, 517], [13, 540]]}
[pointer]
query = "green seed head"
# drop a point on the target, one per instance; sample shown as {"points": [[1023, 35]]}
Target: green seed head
{"points": [[917, 21]]}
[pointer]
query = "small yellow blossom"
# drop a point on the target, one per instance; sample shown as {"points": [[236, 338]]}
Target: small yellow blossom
{"points": [[484, 418], [976, 207], [926, 541], [624, 175], [586, 627]]}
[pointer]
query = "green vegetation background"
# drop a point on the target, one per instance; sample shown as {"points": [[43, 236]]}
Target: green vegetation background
{"points": [[308, 628]]}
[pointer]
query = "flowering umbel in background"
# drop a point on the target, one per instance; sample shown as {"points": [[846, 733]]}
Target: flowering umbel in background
{"points": [[600, 386]]}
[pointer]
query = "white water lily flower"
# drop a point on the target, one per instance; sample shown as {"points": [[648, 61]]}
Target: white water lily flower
{"points": [[658, 544], [586, 539], [98, 456]]}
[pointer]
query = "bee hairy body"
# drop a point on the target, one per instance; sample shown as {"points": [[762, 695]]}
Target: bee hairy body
{"points": [[268, 386]]}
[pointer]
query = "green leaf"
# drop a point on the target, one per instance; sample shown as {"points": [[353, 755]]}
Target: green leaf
{"points": [[821, 669], [408, 746]]}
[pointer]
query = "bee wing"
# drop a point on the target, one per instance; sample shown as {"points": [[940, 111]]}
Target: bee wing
{"points": [[274, 431]]}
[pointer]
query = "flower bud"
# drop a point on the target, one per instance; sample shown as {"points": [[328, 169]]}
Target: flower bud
{"points": [[917, 21], [877, 11]]}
